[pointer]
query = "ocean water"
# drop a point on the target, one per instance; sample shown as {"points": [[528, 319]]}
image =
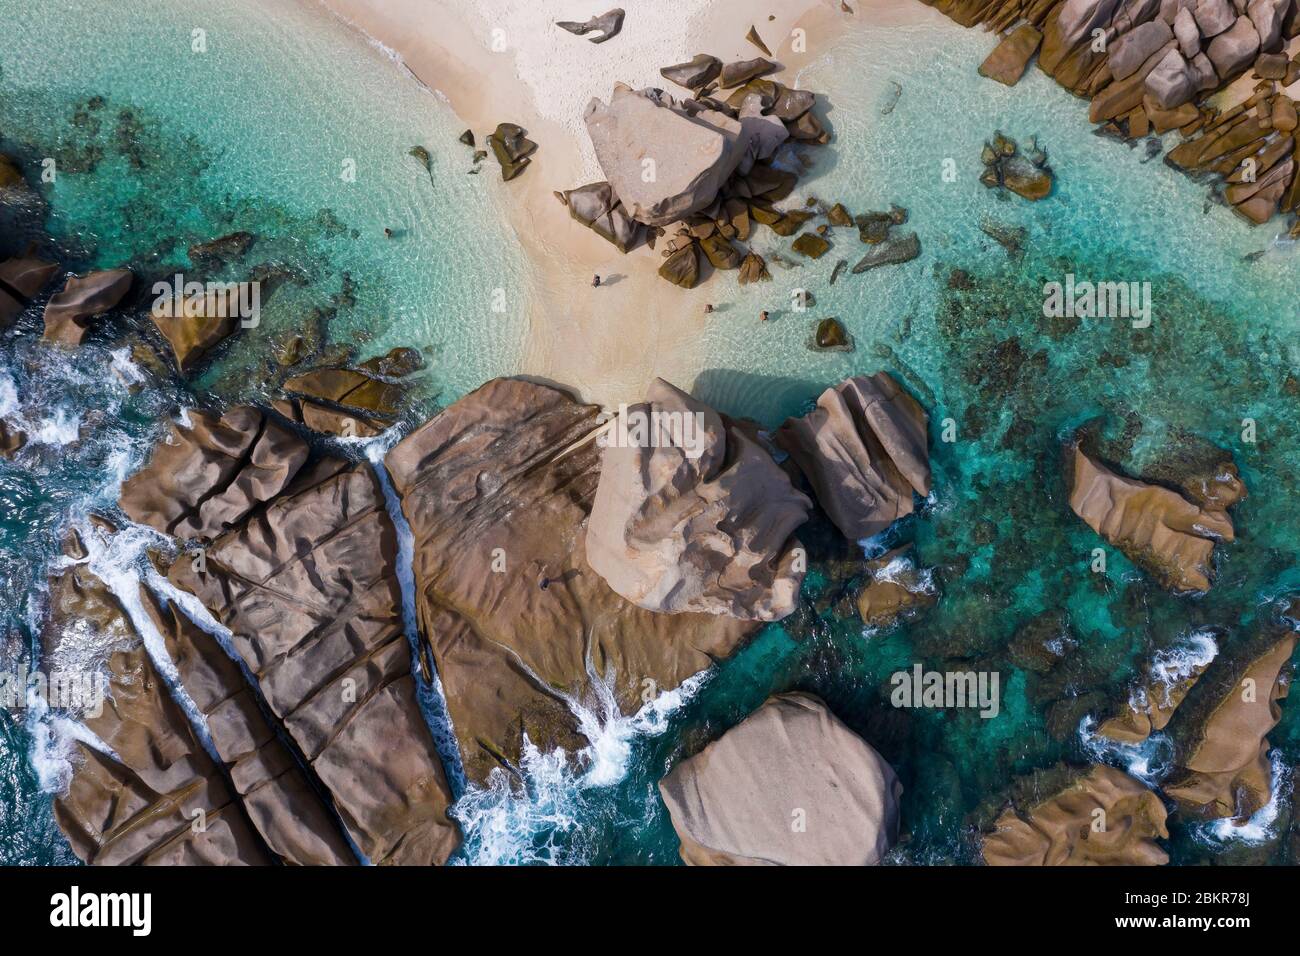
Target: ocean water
{"points": [[253, 134]]}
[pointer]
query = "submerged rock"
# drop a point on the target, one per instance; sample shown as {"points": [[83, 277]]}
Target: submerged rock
{"points": [[864, 451], [1062, 829], [692, 514], [217, 252], [21, 278], [1159, 530], [69, 311], [895, 587], [831, 336], [497, 489], [892, 251], [732, 804]]}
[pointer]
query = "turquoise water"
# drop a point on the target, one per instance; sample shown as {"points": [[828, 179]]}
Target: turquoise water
{"points": [[252, 135]]}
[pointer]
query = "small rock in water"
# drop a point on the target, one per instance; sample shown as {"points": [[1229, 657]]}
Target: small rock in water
{"points": [[893, 251], [467, 137], [811, 245], [831, 336]]}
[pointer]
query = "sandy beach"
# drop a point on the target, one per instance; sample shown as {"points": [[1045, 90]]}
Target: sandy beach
{"points": [[504, 61]]}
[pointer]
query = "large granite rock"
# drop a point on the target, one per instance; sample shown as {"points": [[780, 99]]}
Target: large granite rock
{"points": [[1213, 16], [1156, 528], [1219, 733], [663, 163], [158, 799], [790, 785], [1172, 83], [1231, 52], [1011, 56], [1131, 50], [597, 208], [307, 586], [1267, 16], [497, 489], [275, 792], [864, 451], [692, 513], [1066, 829], [69, 311], [208, 475]]}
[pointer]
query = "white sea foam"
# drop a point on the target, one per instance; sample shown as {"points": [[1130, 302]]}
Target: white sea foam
{"points": [[1148, 761], [1259, 826], [524, 820]]}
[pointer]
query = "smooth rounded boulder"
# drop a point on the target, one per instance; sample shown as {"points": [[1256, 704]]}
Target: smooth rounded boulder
{"points": [[692, 514], [790, 785]]}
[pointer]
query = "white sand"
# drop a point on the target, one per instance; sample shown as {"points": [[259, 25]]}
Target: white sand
{"points": [[505, 60]]}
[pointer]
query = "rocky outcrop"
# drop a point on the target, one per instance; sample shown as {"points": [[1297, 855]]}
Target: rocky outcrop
{"points": [[307, 586], [741, 72], [864, 451], [1153, 700], [193, 325], [790, 785], [1219, 732], [692, 514], [273, 789], [21, 278], [69, 312], [209, 474], [156, 798], [353, 388], [606, 25], [1101, 818], [1156, 528], [497, 489], [1010, 58], [215, 253], [692, 155]]}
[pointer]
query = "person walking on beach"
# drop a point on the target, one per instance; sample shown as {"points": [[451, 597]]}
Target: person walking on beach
{"points": [[595, 282], [763, 315], [708, 308]]}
